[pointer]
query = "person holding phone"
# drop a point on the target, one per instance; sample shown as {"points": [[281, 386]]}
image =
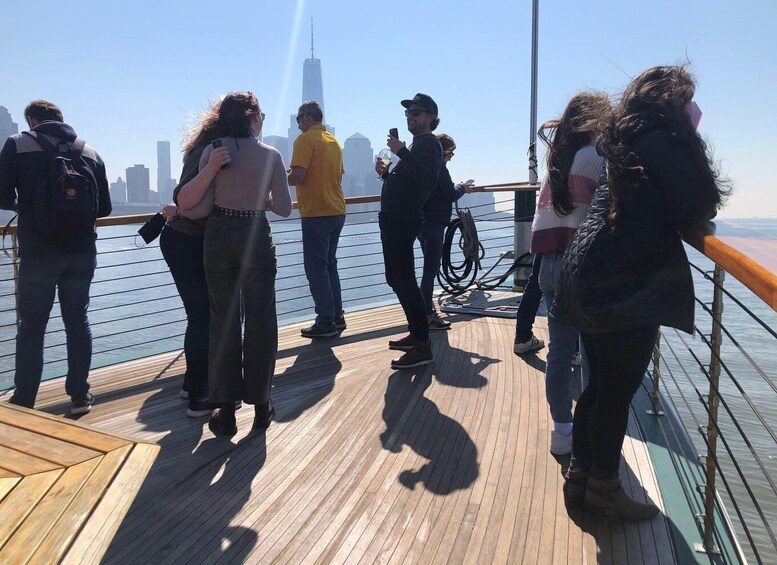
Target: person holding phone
{"points": [[239, 259], [437, 215], [405, 191], [182, 246]]}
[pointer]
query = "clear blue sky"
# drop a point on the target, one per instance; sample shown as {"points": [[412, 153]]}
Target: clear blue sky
{"points": [[127, 74]]}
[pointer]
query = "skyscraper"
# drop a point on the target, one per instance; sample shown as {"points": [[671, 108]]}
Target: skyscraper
{"points": [[137, 184], [312, 89], [163, 184], [7, 126], [360, 178], [118, 191], [312, 81]]}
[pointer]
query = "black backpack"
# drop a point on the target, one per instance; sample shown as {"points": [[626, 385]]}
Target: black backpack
{"points": [[66, 206]]}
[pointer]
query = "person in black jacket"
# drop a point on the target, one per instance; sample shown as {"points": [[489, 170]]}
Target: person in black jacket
{"points": [[61, 263], [404, 193], [625, 272], [437, 216]]}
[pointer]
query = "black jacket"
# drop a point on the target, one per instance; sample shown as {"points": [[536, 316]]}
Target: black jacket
{"points": [[408, 185], [24, 172], [633, 271], [438, 207]]}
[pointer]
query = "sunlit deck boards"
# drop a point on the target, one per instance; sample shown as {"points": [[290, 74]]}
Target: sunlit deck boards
{"points": [[64, 488], [448, 463]]}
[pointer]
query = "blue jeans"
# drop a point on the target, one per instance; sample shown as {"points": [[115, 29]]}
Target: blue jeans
{"points": [[530, 302], [319, 249], [240, 267], [431, 239], [70, 276], [561, 346], [397, 237], [183, 255]]}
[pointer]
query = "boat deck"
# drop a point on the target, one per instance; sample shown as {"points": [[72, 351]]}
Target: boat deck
{"points": [[447, 463]]}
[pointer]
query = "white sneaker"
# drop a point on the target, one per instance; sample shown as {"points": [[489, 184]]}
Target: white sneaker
{"points": [[531, 345], [560, 444]]}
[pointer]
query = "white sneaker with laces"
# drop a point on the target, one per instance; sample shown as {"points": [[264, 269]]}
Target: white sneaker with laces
{"points": [[526, 346]]}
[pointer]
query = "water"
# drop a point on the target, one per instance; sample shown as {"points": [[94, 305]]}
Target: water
{"points": [[135, 312]]}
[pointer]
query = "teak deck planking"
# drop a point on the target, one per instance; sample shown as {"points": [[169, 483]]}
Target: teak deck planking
{"points": [[442, 464]]}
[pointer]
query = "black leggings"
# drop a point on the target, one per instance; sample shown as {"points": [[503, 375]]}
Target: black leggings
{"points": [[618, 362]]}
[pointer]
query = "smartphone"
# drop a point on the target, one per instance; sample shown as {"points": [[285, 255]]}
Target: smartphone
{"points": [[393, 132], [216, 144]]}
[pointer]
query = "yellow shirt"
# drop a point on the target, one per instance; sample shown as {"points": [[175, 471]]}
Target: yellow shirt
{"points": [[321, 193]]}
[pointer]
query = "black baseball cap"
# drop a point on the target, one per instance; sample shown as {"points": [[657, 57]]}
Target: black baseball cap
{"points": [[423, 100]]}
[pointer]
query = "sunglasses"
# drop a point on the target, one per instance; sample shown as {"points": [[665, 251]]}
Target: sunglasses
{"points": [[414, 112], [300, 116]]}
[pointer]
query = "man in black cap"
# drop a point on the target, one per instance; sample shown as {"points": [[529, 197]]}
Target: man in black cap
{"points": [[405, 190]]}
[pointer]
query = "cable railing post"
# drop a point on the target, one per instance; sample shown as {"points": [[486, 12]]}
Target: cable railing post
{"points": [[712, 422], [15, 261], [655, 400]]}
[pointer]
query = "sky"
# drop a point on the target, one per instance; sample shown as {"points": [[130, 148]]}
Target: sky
{"points": [[127, 74]]}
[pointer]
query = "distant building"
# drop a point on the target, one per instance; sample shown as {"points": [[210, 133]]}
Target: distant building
{"points": [[163, 184], [281, 144], [360, 178], [7, 126], [312, 89], [118, 191], [138, 185]]}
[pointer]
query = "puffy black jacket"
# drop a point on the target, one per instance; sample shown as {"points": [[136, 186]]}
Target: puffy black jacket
{"points": [[633, 271]]}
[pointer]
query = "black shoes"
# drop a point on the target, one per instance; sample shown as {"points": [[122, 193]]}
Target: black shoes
{"points": [[81, 404], [404, 344], [264, 415], [315, 331], [340, 323], [222, 422], [418, 355]]}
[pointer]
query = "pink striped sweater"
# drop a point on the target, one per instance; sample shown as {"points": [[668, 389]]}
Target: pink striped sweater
{"points": [[551, 233]]}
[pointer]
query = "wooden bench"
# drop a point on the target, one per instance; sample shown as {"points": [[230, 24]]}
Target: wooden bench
{"points": [[64, 487]]}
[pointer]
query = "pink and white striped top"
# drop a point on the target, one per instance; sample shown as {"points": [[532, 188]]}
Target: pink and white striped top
{"points": [[551, 233]]}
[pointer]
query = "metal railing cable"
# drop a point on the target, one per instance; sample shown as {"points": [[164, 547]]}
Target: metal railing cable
{"points": [[729, 450], [741, 465]]}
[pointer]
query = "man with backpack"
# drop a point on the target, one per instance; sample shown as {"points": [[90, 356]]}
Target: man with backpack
{"points": [[58, 186]]}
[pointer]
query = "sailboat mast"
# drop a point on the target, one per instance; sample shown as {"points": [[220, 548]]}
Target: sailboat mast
{"points": [[525, 201]]}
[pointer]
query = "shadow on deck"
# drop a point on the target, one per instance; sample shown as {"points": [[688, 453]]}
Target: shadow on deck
{"points": [[446, 464]]}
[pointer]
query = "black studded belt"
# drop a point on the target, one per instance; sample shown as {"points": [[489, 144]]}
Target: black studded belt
{"points": [[238, 213]]}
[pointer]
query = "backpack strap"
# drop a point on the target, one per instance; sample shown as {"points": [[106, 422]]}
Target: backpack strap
{"points": [[76, 147]]}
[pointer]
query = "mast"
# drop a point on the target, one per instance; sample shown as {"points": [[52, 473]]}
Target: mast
{"points": [[526, 201], [312, 54]]}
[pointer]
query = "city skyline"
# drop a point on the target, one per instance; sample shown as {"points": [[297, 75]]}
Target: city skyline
{"points": [[473, 59]]}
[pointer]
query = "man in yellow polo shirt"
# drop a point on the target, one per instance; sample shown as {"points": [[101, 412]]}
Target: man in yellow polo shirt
{"points": [[317, 171]]}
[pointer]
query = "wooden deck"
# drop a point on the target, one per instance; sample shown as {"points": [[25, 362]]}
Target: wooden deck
{"points": [[64, 488], [445, 464]]}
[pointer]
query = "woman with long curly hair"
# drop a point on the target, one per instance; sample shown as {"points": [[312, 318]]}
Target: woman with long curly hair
{"points": [[241, 179], [625, 272], [573, 171]]}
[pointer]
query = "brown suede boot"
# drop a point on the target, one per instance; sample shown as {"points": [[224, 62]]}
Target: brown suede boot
{"points": [[609, 496], [575, 484]]}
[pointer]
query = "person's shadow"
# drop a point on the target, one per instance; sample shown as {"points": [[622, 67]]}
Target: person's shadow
{"points": [[415, 421], [302, 387], [456, 367], [192, 493]]}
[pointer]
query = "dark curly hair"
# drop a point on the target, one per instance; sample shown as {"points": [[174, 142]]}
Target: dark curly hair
{"points": [[586, 113], [657, 99], [229, 117]]}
